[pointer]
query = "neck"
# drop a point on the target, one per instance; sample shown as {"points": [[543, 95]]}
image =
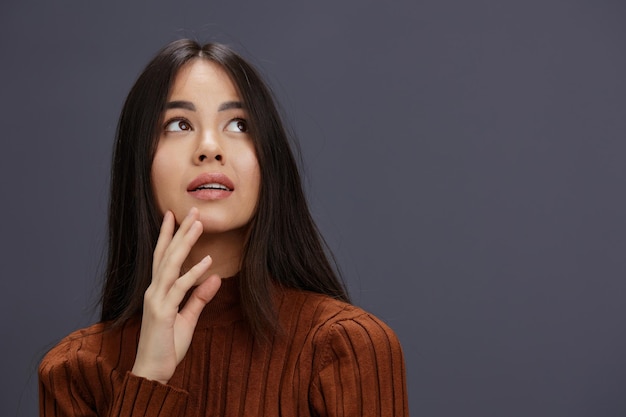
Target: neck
{"points": [[225, 250]]}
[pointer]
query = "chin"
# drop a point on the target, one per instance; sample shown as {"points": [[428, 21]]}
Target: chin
{"points": [[214, 226]]}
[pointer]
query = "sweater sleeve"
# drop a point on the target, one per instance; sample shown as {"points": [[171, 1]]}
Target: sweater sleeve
{"points": [[66, 389], [362, 371]]}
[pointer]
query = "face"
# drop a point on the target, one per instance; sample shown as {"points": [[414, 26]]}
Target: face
{"points": [[205, 157]]}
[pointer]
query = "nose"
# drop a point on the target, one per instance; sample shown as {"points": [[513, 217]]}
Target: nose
{"points": [[208, 149]]}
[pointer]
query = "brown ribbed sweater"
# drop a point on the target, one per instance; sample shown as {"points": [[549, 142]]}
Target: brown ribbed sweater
{"points": [[332, 359]]}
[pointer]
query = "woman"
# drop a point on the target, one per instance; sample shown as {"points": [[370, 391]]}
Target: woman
{"points": [[219, 297]]}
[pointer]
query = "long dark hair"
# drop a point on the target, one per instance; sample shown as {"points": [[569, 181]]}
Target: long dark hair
{"points": [[283, 247]]}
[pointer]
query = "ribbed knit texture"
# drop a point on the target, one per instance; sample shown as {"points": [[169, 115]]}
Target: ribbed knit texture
{"points": [[332, 359]]}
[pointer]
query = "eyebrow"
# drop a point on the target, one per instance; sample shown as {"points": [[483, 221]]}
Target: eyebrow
{"points": [[180, 104], [230, 105]]}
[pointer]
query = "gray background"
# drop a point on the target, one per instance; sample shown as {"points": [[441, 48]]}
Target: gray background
{"points": [[464, 159]]}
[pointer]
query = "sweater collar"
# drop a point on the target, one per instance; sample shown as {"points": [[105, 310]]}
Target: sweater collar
{"points": [[225, 306]]}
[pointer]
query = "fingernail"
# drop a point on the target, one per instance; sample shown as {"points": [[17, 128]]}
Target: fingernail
{"points": [[206, 259]]}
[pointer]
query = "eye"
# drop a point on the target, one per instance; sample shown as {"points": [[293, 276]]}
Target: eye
{"points": [[177, 125], [237, 125]]}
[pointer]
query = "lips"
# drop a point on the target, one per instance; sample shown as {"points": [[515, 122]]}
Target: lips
{"points": [[211, 186]]}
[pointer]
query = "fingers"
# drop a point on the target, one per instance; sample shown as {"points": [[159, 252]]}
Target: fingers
{"points": [[165, 237], [200, 297], [166, 329], [180, 287], [171, 251]]}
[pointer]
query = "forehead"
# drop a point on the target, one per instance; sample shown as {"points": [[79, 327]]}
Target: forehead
{"points": [[201, 77]]}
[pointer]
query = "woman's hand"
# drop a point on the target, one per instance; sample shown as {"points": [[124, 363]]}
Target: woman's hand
{"points": [[166, 332]]}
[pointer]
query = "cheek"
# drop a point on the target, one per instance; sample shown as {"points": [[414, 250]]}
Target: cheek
{"points": [[161, 177], [253, 175], [249, 173]]}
